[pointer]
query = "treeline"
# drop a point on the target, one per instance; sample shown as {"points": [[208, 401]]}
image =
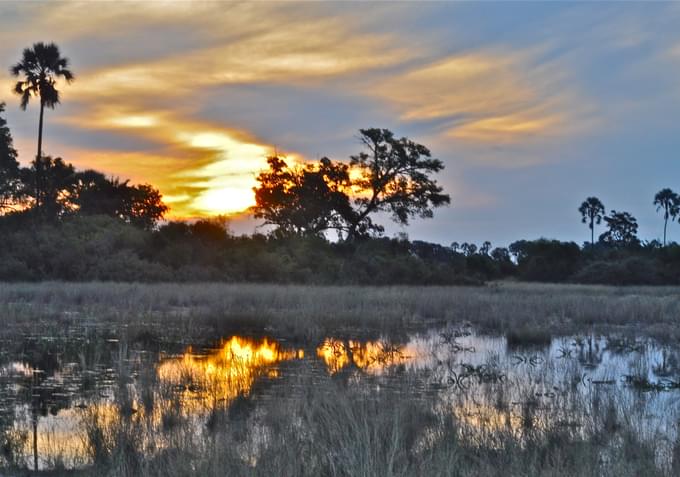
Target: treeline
{"points": [[82, 248], [58, 223]]}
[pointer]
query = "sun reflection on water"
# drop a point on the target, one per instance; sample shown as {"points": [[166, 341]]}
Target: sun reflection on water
{"points": [[225, 373], [369, 356]]}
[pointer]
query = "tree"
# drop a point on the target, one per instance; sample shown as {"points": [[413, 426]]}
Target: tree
{"points": [[10, 184], [622, 230], [468, 249], [592, 212], [142, 206], [669, 202], [66, 191], [501, 254], [95, 194], [40, 67], [485, 248], [546, 260], [58, 185], [303, 200], [394, 177]]}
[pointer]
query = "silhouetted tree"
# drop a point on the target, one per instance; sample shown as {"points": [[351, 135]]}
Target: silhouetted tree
{"points": [[303, 200], [500, 254], [592, 212], [10, 184], [395, 178], [40, 68], [669, 202], [94, 194], [546, 260], [455, 246], [58, 185], [468, 249], [143, 206], [210, 231], [622, 229], [485, 248]]}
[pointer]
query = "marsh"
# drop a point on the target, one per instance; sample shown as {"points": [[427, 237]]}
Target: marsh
{"points": [[214, 379]]}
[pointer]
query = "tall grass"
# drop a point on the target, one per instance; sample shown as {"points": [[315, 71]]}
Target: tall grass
{"points": [[304, 311], [332, 429]]}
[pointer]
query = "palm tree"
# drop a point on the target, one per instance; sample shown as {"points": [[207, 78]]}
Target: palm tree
{"points": [[40, 68], [669, 202], [592, 212]]}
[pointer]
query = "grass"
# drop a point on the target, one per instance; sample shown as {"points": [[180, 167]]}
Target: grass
{"points": [[306, 312], [341, 431], [320, 424]]}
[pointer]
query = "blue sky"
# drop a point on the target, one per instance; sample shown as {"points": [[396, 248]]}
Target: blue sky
{"points": [[531, 106]]}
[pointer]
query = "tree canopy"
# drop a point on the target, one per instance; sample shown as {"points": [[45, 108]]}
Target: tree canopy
{"points": [[667, 202], [10, 185], [621, 230], [303, 200], [392, 175], [592, 212]]}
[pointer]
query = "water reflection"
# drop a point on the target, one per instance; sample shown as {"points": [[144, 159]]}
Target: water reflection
{"points": [[225, 373], [48, 414], [369, 356]]}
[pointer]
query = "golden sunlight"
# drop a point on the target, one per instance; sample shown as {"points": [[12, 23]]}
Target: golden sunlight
{"points": [[134, 121], [371, 356], [227, 372]]}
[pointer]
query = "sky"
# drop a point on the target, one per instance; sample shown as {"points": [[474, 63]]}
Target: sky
{"points": [[532, 106]]}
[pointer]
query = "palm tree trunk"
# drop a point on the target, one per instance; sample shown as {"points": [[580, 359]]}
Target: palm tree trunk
{"points": [[665, 224], [592, 232], [38, 161]]}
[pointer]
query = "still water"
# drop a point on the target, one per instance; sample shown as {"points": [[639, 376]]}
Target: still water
{"points": [[52, 390]]}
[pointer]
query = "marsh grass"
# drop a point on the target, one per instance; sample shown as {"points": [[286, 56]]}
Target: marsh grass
{"points": [[170, 311], [334, 430], [329, 425]]}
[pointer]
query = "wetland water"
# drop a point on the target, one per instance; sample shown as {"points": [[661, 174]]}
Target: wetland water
{"points": [[58, 395]]}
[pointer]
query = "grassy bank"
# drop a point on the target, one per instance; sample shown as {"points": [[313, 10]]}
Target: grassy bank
{"points": [[310, 312]]}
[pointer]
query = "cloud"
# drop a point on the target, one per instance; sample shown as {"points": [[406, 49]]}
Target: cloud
{"points": [[151, 85], [489, 96]]}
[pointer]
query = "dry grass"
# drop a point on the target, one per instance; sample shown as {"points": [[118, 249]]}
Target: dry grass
{"points": [[309, 312]]}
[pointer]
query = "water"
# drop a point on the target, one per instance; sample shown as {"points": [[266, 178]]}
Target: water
{"points": [[53, 390]]}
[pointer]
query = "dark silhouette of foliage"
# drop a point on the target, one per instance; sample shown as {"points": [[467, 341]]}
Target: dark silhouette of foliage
{"points": [[92, 193], [546, 260], [303, 200], [394, 178], [468, 249], [143, 206], [57, 185], [669, 202], [592, 212], [485, 248], [40, 68], [10, 183], [622, 230]]}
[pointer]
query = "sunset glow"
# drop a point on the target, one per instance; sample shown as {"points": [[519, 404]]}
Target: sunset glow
{"points": [[192, 98]]}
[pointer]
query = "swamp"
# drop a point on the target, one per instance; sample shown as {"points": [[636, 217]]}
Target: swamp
{"points": [[216, 379]]}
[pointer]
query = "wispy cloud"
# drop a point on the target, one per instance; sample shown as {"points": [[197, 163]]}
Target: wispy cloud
{"points": [[488, 96]]}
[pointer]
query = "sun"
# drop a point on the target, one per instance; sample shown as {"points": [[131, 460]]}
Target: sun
{"points": [[225, 200]]}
